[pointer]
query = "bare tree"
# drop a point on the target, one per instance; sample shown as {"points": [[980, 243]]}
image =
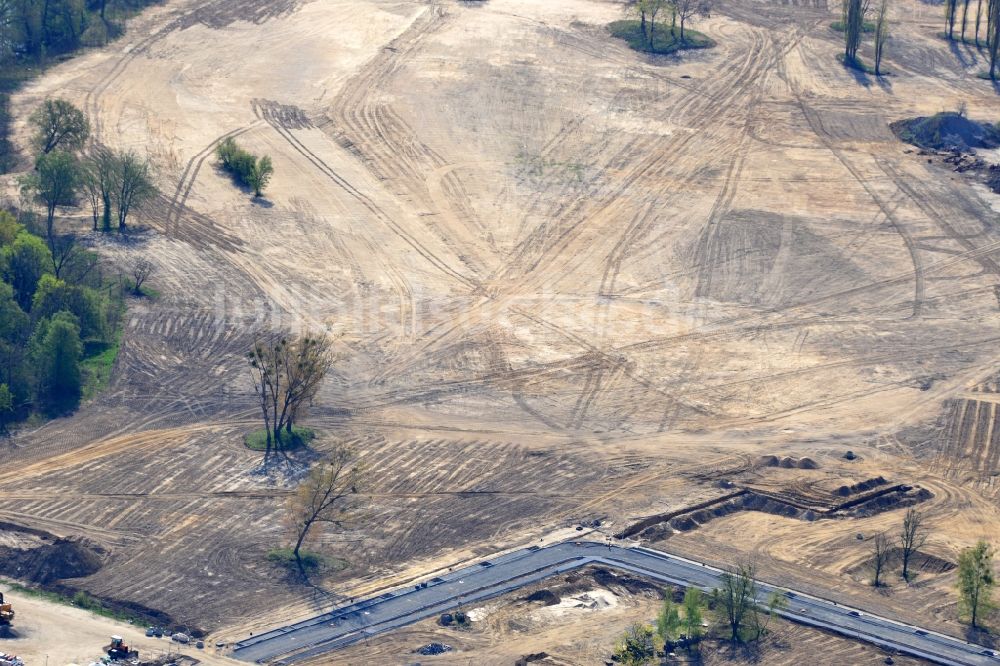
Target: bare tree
{"points": [[993, 36], [64, 251], [133, 187], [98, 180], [684, 10], [854, 12], [881, 549], [327, 496], [139, 269], [286, 375], [950, 14], [881, 34], [912, 538]]}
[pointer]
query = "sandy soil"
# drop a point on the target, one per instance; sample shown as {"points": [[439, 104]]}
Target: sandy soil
{"points": [[570, 283], [49, 633]]}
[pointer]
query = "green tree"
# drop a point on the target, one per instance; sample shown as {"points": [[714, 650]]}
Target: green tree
{"points": [[260, 175], [13, 321], [54, 295], [9, 228], [635, 647], [6, 407], [976, 582], [53, 183], [57, 351], [668, 622], [58, 124], [736, 599], [694, 601], [24, 262]]}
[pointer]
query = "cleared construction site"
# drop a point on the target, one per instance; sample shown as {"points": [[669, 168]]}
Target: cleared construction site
{"points": [[708, 302]]}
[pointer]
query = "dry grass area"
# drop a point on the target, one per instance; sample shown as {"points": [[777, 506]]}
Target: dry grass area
{"points": [[570, 282]]}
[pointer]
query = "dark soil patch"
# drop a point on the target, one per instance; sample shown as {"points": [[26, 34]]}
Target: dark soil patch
{"points": [[920, 562], [547, 597], [610, 579], [53, 560], [529, 658], [433, 648], [947, 131]]}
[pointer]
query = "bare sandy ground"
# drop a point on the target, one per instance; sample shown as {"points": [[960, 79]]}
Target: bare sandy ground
{"points": [[55, 634], [570, 283]]}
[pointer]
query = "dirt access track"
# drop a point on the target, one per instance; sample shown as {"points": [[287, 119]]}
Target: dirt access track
{"points": [[569, 283]]}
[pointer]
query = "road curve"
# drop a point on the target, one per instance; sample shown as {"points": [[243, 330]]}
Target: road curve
{"points": [[402, 606]]}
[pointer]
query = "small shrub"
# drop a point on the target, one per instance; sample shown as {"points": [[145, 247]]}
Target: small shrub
{"points": [[245, 167]]}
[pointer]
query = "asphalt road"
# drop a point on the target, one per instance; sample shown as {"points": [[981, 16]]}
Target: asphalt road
{"points": [[402, 606]]}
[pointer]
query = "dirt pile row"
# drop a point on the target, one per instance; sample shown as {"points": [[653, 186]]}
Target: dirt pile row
{"points": [[787, 462]]}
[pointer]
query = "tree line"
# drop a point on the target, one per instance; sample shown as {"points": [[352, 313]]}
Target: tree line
{"points": [[39, 28], [857, 18], [741, 618], [985, 27], [57, 308]]}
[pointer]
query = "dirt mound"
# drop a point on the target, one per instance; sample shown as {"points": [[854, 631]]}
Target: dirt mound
{"points": [[433, 648], [547, 597], [50, 559], [919, 561], [787, 462], [528, 658], [899, 499], [947, 131], [845, 491]]}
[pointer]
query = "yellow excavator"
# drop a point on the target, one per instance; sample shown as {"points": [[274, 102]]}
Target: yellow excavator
{"points": [[6, 612]]}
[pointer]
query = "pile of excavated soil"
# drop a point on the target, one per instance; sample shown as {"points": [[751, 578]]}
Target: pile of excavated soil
{"points": [[947, 131], [44, 558]]}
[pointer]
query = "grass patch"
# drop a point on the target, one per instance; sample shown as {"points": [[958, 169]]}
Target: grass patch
{"points": [[663, 42], [858, 64], [867, 26], [986, 76], [299, 437], [97, 363], [79, 600], [128, 286], [311, 562]]}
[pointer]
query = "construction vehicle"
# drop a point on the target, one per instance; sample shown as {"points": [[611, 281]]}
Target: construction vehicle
{"points": [[119, 649], [6, 612]]}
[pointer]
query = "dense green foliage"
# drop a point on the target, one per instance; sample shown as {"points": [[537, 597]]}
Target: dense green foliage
{"points": [[245, 167], [46, 323], [33, 33], [976, 582]]}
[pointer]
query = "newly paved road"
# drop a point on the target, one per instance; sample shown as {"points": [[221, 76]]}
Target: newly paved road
{"points": [[483, 580]]}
